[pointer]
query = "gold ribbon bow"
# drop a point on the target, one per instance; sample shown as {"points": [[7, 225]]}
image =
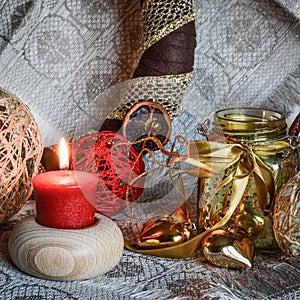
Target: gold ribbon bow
{"points": [[209, 158]]}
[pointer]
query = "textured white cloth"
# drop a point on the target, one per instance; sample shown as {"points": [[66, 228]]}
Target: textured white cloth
{"points": [[144, 277], [59, 56], [66, 58], [247, 55]]}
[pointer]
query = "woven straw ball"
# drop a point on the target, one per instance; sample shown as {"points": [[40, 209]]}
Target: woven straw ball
{"points": [[286, 217], [20, 153]]}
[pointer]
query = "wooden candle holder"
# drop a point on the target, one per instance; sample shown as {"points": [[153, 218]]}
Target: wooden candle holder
{"points": [[66, 254]]}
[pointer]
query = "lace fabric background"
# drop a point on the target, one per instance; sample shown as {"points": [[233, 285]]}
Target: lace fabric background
{"points": [[273, 276], [58, 56], [66, 58]]}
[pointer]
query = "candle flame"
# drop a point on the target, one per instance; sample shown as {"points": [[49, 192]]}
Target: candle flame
{"points": [[63, 155], [264, 115]]}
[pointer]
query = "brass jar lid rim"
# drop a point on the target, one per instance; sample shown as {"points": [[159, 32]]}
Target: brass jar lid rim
{"points": [[250, 124], [250, 115]]}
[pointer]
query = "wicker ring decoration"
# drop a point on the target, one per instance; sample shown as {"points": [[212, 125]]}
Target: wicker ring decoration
{"points": [[20, 154], [147, 119], [286, 217]]}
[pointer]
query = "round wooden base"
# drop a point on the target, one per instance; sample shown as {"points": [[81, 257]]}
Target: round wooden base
{"points": [[66, 254]]}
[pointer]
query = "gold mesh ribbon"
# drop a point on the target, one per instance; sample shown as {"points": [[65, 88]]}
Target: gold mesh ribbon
{"points": [[166, 90], [160, 18], [209, 158], [163, 17]]}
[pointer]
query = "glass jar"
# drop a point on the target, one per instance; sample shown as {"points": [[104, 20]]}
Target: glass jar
{"points": [[257, 128], [250, 125]]}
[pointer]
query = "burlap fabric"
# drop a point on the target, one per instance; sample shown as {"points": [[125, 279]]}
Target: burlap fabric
{"points": [[61, 56]]}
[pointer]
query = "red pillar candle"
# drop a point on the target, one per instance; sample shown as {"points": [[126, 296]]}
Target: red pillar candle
{"points": [[65, 199]]}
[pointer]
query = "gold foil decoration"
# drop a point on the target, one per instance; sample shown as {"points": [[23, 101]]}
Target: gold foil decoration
{"points": [[217, 157], [265, 131], [230, 249], [208, 159], [168, 230], [250, 169]]}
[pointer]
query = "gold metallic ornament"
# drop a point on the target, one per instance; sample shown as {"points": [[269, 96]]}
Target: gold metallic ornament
{"points": [[268, 161], [230, 249], [166, 231], [239, 176], [244, 218], [240, 196]]}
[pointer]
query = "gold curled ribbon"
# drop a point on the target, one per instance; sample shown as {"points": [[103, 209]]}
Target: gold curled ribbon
{"points": [[213, 158]]}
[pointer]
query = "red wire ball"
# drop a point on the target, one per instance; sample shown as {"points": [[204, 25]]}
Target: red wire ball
{"points": [[114, 161]]}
